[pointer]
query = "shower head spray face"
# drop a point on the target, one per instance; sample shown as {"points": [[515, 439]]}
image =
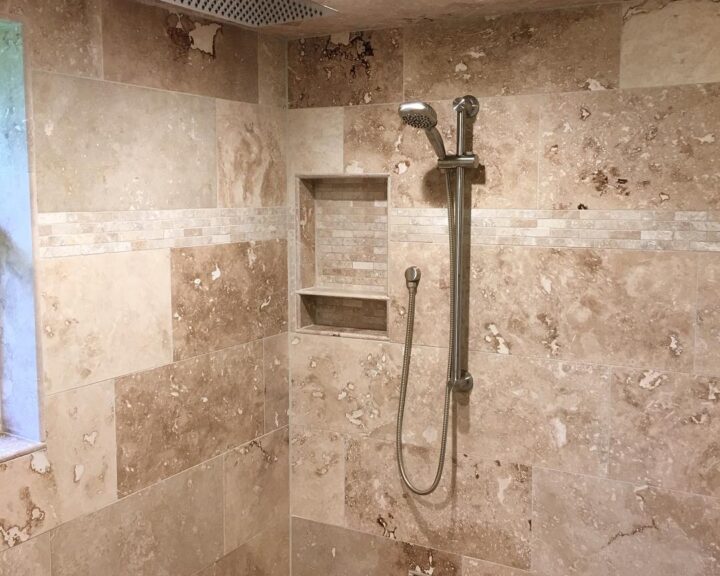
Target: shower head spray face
{"points": [[421, 115]]}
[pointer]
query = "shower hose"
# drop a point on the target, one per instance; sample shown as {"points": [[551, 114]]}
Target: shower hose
{"points": [[409, 328]]}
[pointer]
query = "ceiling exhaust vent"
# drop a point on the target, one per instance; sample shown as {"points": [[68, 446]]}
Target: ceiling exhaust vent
{"points": [[256, 13]]}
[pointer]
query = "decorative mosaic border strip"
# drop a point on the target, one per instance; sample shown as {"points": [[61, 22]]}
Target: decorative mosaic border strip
{"points": [[624, 229], [79, 233]]}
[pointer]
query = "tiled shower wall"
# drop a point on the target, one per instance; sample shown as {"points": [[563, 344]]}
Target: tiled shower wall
{"points": [[159, 179], [589, 445]]}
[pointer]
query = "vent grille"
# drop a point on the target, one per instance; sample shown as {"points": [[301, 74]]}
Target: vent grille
{"points": [[255, 13]]}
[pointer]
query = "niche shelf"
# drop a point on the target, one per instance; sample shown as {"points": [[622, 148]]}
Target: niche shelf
{"points": [[342, 255]]}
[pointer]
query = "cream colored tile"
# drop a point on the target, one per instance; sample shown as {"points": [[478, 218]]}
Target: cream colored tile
{"points": [[103, 316], [29, 559], [315, 141], [707, 343]]}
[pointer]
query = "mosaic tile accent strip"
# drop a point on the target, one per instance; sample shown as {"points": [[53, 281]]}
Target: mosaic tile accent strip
{"points": [[623, 229], [77, 233]]}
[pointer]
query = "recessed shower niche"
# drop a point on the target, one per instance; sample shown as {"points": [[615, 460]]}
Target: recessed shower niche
{"points": [[342, 255]]}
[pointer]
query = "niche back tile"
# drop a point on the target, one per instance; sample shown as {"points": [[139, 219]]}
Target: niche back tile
{"points": [[555, 51], [346, 69], [175, 50]]}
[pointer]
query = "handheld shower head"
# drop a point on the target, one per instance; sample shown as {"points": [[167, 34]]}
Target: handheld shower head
{"points": [[421, 115]]}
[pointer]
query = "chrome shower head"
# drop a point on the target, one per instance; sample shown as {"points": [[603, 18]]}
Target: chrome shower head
{"points": [[422, 116]]}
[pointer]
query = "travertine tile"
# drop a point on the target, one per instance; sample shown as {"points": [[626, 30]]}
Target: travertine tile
{"points": [[227, 295], [103, 316], [473, 567], [667, 43], [167, 48], [62, 35], [665, 430], [556, 51], [173, 528], [267, 554], [317, 460], [29, 559], [172, 418], [323, 549], [276, 374], [707, 343], [346, 69], [482, 508], [103, 146], [538, 412], [632, 149], [81, 448], [314, 142], [272, 70], [605, 306], [251, 161], [504, 136], [593, 527], [256, 487]]}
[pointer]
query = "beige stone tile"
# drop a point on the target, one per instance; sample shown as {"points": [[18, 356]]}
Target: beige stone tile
{"points": [[276, 374], [62, 35], [173, 528], [29, 559], [267, 554], [251, 160], [257, 483], [473, 567], [103, 316], [539, 412], [590, 526], [81, 448], [556, 51], [272, 69], [323, 549], [632, 149], [665, 430], [227, 295], [707, 343], [346, 69], [175, 417], [102, 146], [504, 136], [482, 508], [317, 465], [29, 506], [606, 306], [163, 47], [667, 43], [315, 141]]}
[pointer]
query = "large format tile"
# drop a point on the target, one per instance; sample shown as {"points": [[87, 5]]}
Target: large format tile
{"points": [[323, 549], [251, 162], [314, 142], [605, 306], [667, 43], [175, 50], [276, 375], [482, 507], [227, 295], [474, 567], [62, 35], [102, 146], [29, 559], [632, 149], [346, 69], [257, 481], [665, 430], [272, 70], [707, 343], [553, 51], [175, 417], [103, 316], [174, 528], [593, 527], [539, 412]]}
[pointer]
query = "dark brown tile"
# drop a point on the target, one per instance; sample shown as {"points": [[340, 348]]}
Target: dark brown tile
{"points": [[174, 417], [346, 69], [324, 549], [227, 295], [167, 48], [557, 51]]}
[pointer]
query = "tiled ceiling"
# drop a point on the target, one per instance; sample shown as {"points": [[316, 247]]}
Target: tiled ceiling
{"points": [[368, 14]]}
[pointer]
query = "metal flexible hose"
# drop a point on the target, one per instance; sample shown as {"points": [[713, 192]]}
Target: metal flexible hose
{"points": [[409, 329]]}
